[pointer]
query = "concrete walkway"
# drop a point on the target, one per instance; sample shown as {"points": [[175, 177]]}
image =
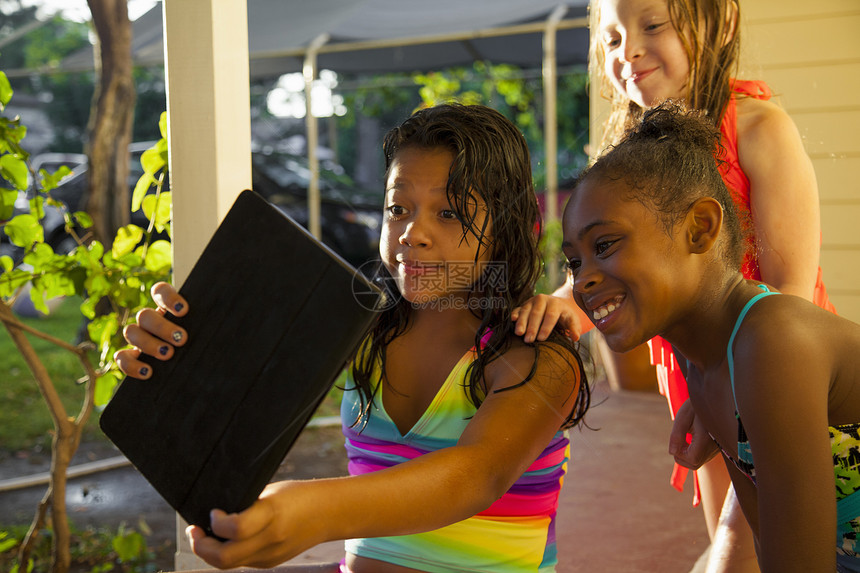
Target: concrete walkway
{"points": [[617, 511]]}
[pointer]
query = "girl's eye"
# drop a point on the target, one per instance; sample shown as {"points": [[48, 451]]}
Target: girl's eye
{"points": [[448, 214], [655, 27], [602, 246], [395, 210], [612, 42], [573, 265]]}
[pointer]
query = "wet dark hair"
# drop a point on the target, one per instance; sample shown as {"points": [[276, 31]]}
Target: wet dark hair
{"points": [[667, 161], [491, 163]]}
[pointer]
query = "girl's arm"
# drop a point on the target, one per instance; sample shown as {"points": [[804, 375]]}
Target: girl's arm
{"points": [[505, 436], [782, 379], [783, 195]]}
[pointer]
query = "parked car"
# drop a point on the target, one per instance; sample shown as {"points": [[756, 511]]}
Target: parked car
{"points": [[350, 218]]}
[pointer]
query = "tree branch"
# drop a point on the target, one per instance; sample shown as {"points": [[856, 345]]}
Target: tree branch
{"points": [[10, 319]]}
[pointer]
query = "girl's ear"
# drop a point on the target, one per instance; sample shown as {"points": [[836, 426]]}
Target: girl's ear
{"points": [[731, 24], [705, 220]]}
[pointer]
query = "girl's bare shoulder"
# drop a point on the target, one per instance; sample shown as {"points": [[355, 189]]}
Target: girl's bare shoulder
{"points": [[550, 362], [762, 121], [787, 332]]}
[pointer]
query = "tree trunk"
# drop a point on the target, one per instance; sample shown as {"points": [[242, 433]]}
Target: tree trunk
{"points": [[64, 446], [111, 117]]}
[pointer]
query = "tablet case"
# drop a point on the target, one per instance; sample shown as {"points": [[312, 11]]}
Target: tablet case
{"points": [[273, 319]]}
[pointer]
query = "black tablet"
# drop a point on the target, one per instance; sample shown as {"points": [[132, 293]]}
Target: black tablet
{"points": [[274, 316]]}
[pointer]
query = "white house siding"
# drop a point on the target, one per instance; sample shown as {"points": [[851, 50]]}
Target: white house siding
{"points": [[809, 53]]}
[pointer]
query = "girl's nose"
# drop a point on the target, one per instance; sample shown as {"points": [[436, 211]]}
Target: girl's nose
{"points": [[584, 280], [631, 48], [415, 235]]}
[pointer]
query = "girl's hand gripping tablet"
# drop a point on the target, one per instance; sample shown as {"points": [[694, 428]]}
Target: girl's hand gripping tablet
{"points": [[154, 334]]}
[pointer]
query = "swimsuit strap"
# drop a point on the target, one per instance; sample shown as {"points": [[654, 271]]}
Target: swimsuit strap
{"points": [[847, 509], [740, 319]]}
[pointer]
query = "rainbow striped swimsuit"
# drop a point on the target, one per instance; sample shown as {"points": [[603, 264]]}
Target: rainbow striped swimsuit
{"points": [[515, 534]]}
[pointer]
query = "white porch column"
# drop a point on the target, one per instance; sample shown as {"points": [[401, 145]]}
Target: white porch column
{"points": [[550, 91], [209, 133], [209, 118]]}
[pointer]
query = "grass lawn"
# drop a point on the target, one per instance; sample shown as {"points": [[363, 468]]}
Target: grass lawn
{"points": [[24, 419]]}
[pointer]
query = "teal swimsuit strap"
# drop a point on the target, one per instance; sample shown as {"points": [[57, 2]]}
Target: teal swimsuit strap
{"points": [[729, 352], [847, 508]]}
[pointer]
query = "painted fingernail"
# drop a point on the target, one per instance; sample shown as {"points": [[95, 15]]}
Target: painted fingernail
{"points": [[177, 336], [163, 350], [178, 307], [144, 371]]}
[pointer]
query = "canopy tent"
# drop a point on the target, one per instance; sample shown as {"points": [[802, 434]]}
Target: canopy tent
{"points": [[375, 36]]}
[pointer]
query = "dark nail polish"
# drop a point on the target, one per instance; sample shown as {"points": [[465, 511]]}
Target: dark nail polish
{"points": [[163, 350], [178, 307], [144, 371]]}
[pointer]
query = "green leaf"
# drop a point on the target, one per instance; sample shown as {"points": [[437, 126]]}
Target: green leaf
{"points": [[158, 207], [6, 91], [11, 133], [50, 181], [7, 203], [39, 256], [11, 281], [88, 307], [162, 125], [6, 544], [37, 295], [37, 206], [83, 218], [97, 284], [126, 240], [102, 328], [7, 263], [140, 188], [96, 250], [14, 170], [105, 385], [128, 546], [159, 257], [24, 230], [154, 159], [130, 260]]}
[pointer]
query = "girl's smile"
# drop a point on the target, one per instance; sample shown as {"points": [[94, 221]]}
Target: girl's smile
{"points": [[418, 268], [423, 244]]}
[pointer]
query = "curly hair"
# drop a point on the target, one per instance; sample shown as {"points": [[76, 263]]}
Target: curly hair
{"points": [[710, 33], [667, 162], [492, 166]]}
